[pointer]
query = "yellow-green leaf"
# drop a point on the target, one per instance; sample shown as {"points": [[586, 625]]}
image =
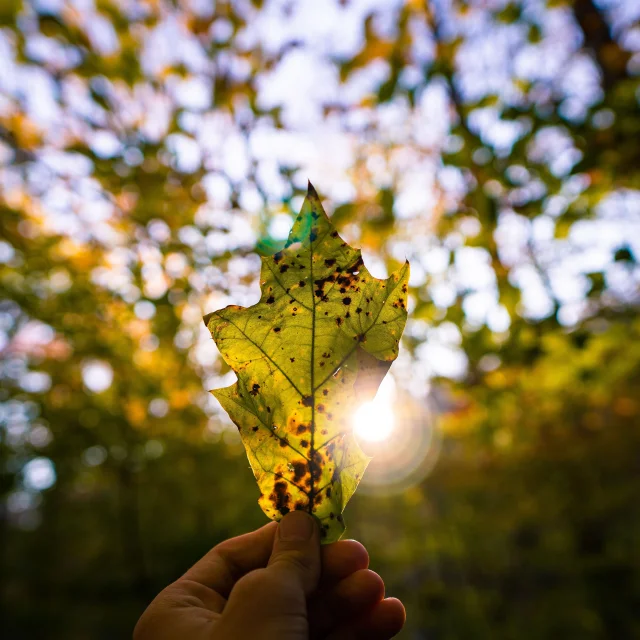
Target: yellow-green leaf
{"points": [[318, 343]]}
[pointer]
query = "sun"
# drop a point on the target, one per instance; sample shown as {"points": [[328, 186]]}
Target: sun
{"points": [[375, 421]]}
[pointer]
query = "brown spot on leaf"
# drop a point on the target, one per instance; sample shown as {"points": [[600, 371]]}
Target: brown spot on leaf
{"points": [[270, 300], [299, 470], [255, 389], [280, 497], [307, 401]]}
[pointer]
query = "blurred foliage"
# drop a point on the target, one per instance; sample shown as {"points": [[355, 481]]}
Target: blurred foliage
{"points": [[144, 160]]}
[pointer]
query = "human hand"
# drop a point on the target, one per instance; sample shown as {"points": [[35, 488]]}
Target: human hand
{"points": [[276, 583]]}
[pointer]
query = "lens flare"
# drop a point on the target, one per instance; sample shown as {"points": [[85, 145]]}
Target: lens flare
{"points": [[374, 421], [399, 431]]}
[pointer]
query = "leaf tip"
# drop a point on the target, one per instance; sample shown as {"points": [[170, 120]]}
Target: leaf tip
{"points": [[311, 191]]}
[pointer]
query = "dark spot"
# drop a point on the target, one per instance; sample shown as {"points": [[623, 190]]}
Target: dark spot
{"points": [[295, 308], [334, 234], [299, 470], [325, 392], [324, 432], [307, 401], [255, 389], [268, 409], [358, 310], [338, 321], [255, 429], [319, 293], [339, 519], [320, 408], [362, 338], [304, 443], [301, 283], [329, 262], [301, 429], [291, 302], [283, 443], [270, 300], [313, 235], [276, 329], [331, 515], [328, 492], [347, 315], [292, 359], [284, 268], [343, 290], [259, 317], [404, 288], [277, 257], [346, 300], [280, 497], [326, 355], [330, 415]]}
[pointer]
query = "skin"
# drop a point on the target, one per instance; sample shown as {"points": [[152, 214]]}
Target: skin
{"points": [[276, 583]]}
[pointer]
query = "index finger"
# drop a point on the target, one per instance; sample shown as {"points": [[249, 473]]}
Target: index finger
{"points": [[228, 561]]}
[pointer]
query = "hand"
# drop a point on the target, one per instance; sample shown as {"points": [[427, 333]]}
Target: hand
{"points": [[276, 583]]}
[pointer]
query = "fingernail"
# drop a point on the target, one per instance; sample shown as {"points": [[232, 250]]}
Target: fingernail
{"points": [[296, 525]]}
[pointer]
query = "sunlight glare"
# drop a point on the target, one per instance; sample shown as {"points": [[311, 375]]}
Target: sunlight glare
{"points": [[374, 421]]}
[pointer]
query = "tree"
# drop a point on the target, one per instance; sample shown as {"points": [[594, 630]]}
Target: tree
{"points": [[150, 150]]}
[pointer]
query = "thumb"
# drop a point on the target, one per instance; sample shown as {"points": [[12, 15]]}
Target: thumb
{"points": [[272, 602], [296, 551]]}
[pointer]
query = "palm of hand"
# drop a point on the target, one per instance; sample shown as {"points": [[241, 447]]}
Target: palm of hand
{"points": [[230, 595]]}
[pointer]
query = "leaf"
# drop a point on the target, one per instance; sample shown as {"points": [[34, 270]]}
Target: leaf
{"points": [[318, 343]]}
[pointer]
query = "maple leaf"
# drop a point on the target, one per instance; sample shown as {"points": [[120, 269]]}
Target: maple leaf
{"points": [[318, 343]]}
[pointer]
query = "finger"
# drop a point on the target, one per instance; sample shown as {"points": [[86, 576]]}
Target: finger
{"points": [[340, 560], [346, 602], [227, 562], [272, 602], [382, 623], [296, 550]]}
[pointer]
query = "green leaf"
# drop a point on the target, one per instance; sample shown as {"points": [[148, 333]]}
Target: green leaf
{"points": [[318, 343]]}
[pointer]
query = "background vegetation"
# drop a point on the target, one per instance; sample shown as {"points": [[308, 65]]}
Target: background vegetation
{"points": [[149, 149]]}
